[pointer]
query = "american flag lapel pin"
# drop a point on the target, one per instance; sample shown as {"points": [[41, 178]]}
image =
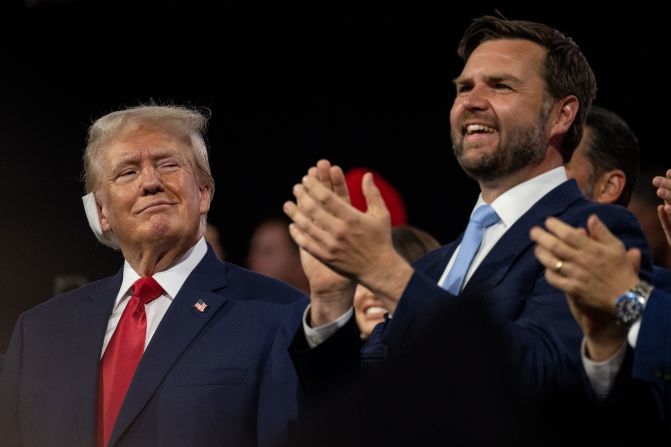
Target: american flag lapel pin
{"points": [[200, 306]]}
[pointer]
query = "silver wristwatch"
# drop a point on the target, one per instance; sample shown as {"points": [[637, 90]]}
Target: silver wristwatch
{"points": [[629, 306]]}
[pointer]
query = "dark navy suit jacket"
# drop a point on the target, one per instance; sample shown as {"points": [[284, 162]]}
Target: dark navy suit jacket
{"points": [[640, 401], [218, 377], [537, 330], [652, 356]]}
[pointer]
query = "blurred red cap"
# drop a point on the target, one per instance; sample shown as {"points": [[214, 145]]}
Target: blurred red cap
{"points": [[392, 198]]}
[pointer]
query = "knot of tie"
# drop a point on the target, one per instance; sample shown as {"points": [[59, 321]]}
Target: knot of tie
{"points": [[147, 289], [484, 216]]}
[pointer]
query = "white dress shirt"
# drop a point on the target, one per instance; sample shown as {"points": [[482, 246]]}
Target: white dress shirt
{"points": [[170, 279], [510, 206]]}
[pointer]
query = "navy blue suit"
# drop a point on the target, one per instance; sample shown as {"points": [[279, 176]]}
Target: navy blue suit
{"points": [[661, 278], [651, 365], [218, 377], [539, 334], [640, 400], [652, 356]]}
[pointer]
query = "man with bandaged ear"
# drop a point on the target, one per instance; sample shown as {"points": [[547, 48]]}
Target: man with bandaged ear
{"points": [[177, 348]]}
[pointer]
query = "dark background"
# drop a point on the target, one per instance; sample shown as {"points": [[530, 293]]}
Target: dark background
{"points": [[356, 83]]}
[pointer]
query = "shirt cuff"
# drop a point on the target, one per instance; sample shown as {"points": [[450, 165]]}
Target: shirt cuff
{"points": [[318, 335], [602, 374], [632, 335]]}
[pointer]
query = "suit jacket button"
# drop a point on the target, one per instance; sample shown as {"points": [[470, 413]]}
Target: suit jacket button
{"points": [[658, 373]]}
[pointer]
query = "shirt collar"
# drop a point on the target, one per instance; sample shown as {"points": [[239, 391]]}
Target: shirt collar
{"points": [[512, 204], [170, 279]]}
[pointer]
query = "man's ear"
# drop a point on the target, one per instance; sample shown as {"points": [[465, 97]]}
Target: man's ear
{"points": [[566, 112], [608, 188], [102, 211], [205, 198]]}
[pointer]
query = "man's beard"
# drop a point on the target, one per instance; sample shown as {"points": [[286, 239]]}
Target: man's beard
{"points": [[523, 146]]}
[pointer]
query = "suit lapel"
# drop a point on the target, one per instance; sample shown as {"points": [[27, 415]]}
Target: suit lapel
{"points": [[516, 240], [88, 331], [180, 325]]}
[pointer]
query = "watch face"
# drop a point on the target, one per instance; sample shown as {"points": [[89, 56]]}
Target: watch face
{"points": [[628, 308]]}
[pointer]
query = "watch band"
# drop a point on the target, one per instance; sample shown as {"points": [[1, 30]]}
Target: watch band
{"points": [[643, 289]]}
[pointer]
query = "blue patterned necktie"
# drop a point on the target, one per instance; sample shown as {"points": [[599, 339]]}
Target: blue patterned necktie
{"points": [[483, 217]]}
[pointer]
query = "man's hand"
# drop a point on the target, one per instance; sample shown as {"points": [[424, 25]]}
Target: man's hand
{"points": [[593, 268], [353, 243], [663, 185], [331, 294]]}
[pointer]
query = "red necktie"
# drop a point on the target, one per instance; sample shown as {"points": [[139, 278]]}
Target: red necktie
{"points": [[123, 354]]}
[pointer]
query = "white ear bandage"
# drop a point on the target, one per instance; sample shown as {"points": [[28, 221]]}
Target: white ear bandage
{"points": [[92, 215]]}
